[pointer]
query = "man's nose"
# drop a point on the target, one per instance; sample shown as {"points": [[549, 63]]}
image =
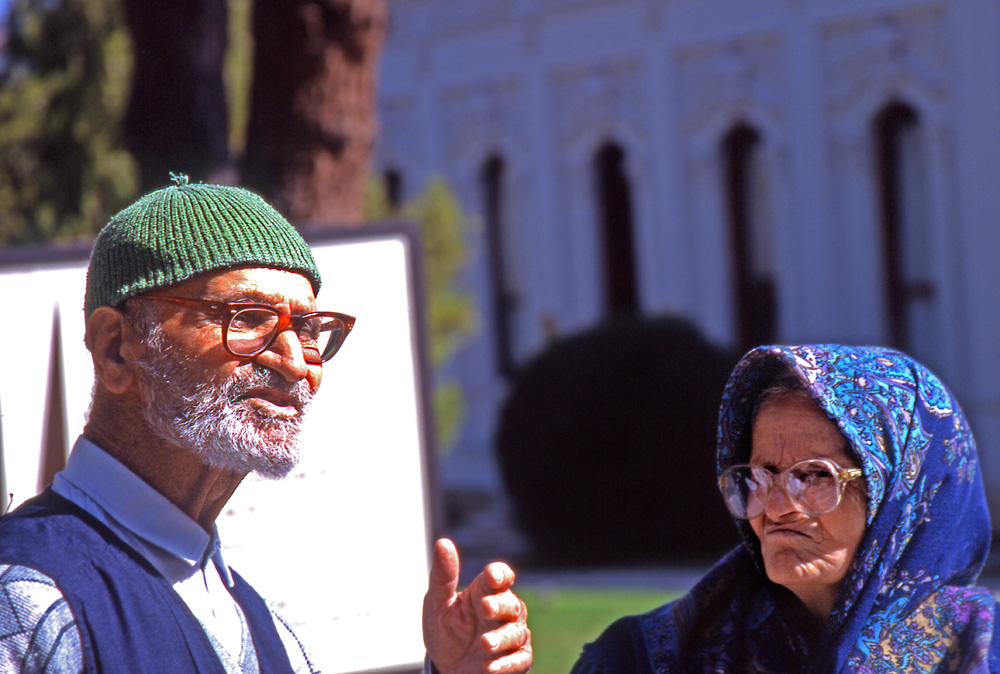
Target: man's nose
{"points": [[285, 356]]}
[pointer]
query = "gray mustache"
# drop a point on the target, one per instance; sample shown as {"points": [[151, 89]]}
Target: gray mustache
{"points": [[259, 376]]}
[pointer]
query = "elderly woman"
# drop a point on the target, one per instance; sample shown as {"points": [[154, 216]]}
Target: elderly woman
{"points": [[852, 476]]}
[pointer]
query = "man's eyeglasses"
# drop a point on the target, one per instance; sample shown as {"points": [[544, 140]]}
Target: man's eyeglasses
{"points": [[814, 486], [249, 328]]}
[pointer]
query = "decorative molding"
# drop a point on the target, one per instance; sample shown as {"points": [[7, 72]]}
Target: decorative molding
{"points": [[874, 57], [426, 18], [599, 97], [479, 116], [397, 144], [728, 79]]}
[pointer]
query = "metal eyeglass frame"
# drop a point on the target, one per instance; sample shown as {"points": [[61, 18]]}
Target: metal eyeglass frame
{"points": [[842, 476]]}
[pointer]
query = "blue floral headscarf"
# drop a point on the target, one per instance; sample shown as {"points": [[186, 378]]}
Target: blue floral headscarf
{"points": [[907, 603]]}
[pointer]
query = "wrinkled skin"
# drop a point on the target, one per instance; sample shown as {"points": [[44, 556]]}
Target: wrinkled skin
{"points": [[808, 555], [481, 629]]}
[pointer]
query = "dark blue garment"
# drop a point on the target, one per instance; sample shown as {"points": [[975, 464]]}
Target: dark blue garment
{"points": [[620, 649], [130, 619]]}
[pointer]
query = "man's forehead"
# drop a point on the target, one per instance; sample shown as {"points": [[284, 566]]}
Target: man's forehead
{"points": [[262, 284]]}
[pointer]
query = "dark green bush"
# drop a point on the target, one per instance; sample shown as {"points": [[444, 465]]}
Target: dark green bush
{"points": [[607, 446]]}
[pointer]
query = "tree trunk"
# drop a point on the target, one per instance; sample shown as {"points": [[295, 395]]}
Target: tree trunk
{"points": [[312, 120], [177, 117]]}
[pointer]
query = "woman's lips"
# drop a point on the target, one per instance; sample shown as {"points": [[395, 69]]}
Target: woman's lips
{"points": [[785, 531]]}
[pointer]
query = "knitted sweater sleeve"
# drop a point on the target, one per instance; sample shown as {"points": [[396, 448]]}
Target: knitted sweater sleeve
{"points": [[38, 633]]}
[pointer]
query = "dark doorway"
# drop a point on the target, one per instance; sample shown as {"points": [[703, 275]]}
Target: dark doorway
{"points": [[900, 169], [751, 224], [393, 188], [621, 295], [503, 299]]}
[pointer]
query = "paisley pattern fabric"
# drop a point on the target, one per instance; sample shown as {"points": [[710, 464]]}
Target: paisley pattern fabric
{"points": [[908, 603]]}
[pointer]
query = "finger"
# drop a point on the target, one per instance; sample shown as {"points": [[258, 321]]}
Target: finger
{"points": [[503, 607], [444, 573], [513, 663], [500, 575], [505, 639], [479, 592], [497, 577]]}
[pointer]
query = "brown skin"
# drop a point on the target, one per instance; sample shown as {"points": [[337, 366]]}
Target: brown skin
{"points": [[481, 629], [808, 555], [116, 422]]}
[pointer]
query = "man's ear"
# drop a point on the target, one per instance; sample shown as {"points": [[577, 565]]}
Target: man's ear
{"points": [[113, 346]]}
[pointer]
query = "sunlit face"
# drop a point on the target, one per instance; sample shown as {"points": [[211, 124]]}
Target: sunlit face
{"points": [[238, 414], [808, 555]]}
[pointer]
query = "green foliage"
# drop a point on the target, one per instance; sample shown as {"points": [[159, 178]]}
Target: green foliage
{"points": [[63, 89], [238, 72], [450, 312], [376, 198], [449, 411], [451, 316]]}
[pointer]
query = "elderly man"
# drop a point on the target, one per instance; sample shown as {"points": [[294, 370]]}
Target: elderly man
{"points": [[207, 344]]}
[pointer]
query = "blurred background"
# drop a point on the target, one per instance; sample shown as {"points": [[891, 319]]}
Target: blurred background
{"points": [[658, 186], [616, 198]]}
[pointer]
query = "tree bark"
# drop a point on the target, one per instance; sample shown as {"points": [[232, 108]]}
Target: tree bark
{"points": [[312, 121], [177, 117]]}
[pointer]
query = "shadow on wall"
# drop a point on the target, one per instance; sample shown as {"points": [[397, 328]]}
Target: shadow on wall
{"points": [[607, 446]]}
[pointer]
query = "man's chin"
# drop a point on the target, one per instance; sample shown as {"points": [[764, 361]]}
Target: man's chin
{"points": [[274, 459], [274, 470], [269, 457]]}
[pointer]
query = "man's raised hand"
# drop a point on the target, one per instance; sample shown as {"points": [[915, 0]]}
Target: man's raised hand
{"points": [[483, 628]]}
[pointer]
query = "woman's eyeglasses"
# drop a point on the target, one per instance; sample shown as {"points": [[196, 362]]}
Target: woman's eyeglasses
{"points": [[814, 486], [249, 328]]}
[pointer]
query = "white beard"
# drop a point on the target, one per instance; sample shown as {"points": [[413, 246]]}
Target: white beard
{"points": [[215, 421]]}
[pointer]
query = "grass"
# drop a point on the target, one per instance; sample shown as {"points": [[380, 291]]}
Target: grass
{"points": [[562, 619]]}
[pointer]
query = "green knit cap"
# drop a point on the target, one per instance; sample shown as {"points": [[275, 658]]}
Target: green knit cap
{"points": [[181, 231]]}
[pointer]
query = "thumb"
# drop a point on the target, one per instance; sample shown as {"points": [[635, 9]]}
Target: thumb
{"points": [[444, 573]]}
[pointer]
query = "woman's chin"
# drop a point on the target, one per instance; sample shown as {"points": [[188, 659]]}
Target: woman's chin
{"points": [[814, 580]]}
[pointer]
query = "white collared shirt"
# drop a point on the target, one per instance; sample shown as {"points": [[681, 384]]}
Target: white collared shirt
{"points": [[184, 553]]}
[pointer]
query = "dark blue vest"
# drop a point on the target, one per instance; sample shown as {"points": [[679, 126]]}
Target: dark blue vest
{"points": [[130, 619]]}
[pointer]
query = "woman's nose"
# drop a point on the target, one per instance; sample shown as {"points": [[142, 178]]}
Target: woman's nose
{"points": [[778, 504]]}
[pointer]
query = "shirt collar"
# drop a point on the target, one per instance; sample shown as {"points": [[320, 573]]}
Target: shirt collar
{"points": [[136, 507]]}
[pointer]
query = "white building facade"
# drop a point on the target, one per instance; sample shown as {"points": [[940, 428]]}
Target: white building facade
{"points": [[774, 170]]}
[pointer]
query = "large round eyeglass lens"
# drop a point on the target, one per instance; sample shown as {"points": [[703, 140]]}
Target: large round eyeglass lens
{"points": [[814, 484], [250, 329], [745, 490], [735, 500]]}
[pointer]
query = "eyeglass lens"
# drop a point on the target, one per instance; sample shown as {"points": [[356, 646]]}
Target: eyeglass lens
{"points": [[813, 486], [250, 331]]}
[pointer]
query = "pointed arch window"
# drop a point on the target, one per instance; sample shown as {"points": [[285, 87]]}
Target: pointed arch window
{"points": [[393, 179], [901, 169], [751, 220], [503, 300], [614, 194]]}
